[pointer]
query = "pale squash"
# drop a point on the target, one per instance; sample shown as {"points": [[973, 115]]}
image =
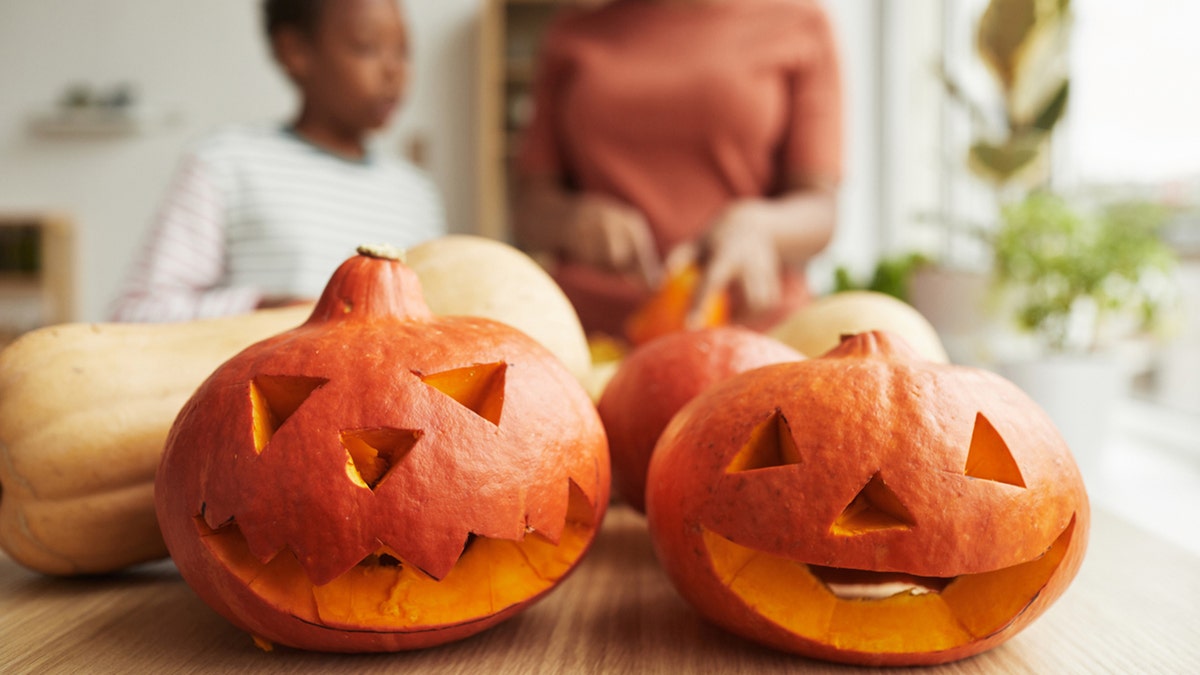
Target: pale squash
{"points": [[468, 275], [84, 412], [820, 325]]}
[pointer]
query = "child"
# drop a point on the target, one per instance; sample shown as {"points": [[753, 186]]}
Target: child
{"points": [[261, 215]]}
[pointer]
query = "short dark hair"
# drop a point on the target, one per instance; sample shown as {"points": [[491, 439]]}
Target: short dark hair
{"points": [[301, 15]]}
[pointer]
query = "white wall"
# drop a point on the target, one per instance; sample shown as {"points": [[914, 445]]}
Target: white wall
{"points": [[859, 236], [205, 63], [196, 59]]}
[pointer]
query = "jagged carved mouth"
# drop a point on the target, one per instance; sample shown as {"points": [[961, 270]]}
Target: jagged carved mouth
{"points": [[385, 593], [881, 612]]}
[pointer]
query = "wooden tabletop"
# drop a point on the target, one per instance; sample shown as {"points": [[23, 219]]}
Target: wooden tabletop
{"points": [[1134, 608]]}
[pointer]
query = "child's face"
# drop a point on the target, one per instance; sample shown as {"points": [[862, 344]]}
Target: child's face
{"points": [[354, 70]]}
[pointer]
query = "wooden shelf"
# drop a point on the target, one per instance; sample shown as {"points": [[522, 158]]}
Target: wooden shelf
{"points": [[20, 282], [510, 36], [96, 122], [37, 271], [519, 71]]}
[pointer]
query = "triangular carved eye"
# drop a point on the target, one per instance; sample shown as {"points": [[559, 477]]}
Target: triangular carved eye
{"points": [[875, 507], [373, 452], [273, 399], [479, 387], [989, 457], [771, 444]]}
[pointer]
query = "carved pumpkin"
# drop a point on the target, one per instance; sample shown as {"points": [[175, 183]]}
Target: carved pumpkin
{"points": [[657, 379], [666, 310], [867, 506], [379, 478]]}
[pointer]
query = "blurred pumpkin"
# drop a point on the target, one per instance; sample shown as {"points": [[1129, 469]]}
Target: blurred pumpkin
{"points": [[819, 326], [655, 380], [867, 506], [380, 478]]}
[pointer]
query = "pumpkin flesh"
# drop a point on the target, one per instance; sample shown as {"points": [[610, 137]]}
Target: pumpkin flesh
{"points": [[666, 311], [798, 598]]}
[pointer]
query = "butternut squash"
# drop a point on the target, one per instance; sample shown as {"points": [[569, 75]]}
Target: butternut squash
{"points": [[84, 412]]}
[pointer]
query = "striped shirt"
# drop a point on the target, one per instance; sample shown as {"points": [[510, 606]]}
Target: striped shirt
{"points": [[257, 212]]}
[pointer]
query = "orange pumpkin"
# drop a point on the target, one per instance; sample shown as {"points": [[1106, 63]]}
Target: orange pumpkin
{"points": [[666, 310], [657, 379], [379, 478], [868, 506]]}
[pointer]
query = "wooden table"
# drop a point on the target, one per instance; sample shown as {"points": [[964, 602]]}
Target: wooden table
{"points": [[1134, 608]]}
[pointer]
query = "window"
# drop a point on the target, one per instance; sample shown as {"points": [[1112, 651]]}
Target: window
{"points": [[1135, 104]]}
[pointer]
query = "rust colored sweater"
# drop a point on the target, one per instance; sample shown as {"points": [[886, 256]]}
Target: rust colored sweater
{"points": [[678, 110]]}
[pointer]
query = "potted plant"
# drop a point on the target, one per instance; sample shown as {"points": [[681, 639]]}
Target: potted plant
{"points": [[1081, 283], [1023, 45], [1081, 280], [891, 276]]}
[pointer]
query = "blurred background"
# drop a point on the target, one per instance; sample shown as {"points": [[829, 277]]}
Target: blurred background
{"points": [[1024, 172]]}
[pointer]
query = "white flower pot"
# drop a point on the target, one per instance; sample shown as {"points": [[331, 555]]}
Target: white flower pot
{"points": [[1080, 394], [954, 301]]}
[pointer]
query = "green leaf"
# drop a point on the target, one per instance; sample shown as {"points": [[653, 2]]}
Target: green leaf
{"points": [[1040, 66], [891, 276], [1051, 257], [1001, 162], [1002, 29], [1054, 110]]}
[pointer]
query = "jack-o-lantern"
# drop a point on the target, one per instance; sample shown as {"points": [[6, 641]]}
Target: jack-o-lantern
{"points": [[379, 478], [867, 506]]}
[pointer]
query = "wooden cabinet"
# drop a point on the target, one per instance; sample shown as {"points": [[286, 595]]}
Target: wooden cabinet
{"points": [[511, 32], [37, 282]]}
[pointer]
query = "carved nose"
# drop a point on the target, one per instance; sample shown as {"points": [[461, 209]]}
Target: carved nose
{"points": [[875, 507]]}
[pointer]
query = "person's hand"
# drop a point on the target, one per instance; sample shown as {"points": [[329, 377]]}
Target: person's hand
{"points": [[612, 236], [739, 251]]}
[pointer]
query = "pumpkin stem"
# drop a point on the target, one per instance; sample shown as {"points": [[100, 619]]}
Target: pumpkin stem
{"points": [[873, 344], [383, 251], [376, 282]]}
